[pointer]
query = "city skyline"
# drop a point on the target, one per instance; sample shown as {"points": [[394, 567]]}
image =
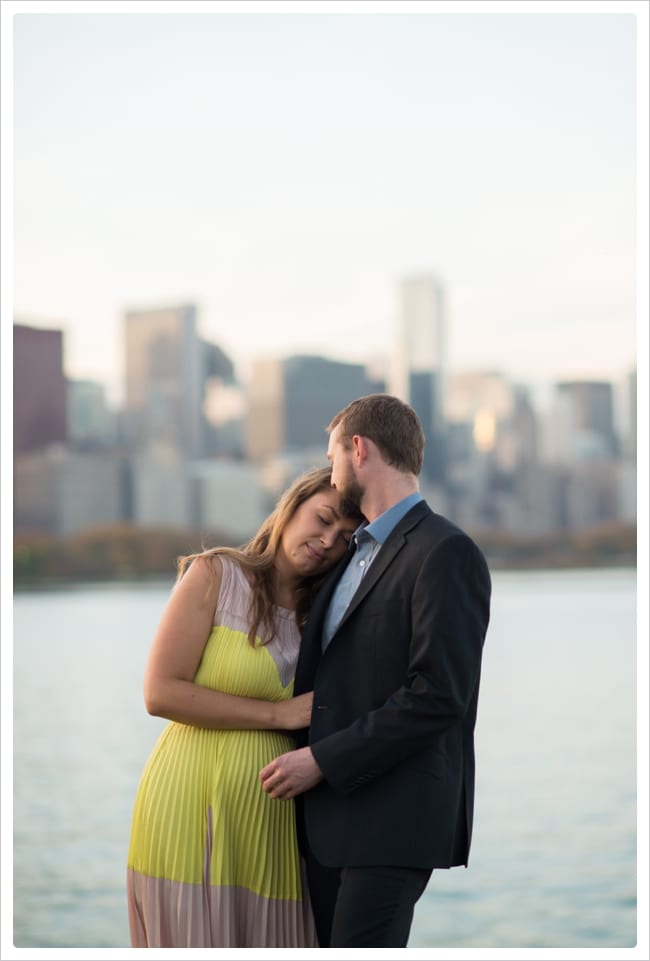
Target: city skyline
{"points": [[377, 365], [490, 457], [292, 169]]}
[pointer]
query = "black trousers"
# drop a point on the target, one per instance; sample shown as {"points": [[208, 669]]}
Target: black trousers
{"points": [[363, 907]]}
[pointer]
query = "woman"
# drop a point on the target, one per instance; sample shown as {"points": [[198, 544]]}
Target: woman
{"points": [[213, 861]]}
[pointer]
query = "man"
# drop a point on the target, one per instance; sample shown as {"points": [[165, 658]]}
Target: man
{"points": [[392, 650]]}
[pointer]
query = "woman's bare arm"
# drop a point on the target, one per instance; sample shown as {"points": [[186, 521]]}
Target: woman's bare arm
{"points": [[178, 645]]}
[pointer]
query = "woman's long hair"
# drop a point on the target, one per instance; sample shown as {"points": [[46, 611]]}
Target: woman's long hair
{"points": [[257, 557]]}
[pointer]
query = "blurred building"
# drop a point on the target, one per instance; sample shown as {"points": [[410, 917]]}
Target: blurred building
{"points": [[583, 413], [90, 422], [225, 407], [631, 428], [626, 487], [159, 487], [292, 400], [39, 388], [265, 422], [61, 491], [222, 404], [162, 364], [169, 369], [492, 448], [192, 449], [593, 494], [419, 370], [582, 449], [626, 423], [228, 499], [626, 414]]}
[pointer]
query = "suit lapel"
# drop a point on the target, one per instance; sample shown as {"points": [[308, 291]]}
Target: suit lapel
{"points": [[385, 557]]}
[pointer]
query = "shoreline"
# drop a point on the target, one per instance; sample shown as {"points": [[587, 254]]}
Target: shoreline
{"points": [[163, 580]]}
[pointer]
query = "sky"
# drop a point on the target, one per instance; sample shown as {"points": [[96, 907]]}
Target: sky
{"points": [[285, 170]]}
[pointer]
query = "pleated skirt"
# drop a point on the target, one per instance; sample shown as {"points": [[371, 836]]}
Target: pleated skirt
{"points": [[213, 860]]}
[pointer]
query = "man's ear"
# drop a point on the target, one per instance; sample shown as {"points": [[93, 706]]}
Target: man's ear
{"points": [[360, 446]]}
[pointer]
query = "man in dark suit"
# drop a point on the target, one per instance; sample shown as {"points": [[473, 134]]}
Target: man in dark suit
{"points": [[392, 649]]}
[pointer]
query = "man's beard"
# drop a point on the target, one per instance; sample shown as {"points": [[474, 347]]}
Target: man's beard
{"points": [[351, 494]]}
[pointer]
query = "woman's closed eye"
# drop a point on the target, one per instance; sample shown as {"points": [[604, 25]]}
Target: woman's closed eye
{"points": [[346, 536]]}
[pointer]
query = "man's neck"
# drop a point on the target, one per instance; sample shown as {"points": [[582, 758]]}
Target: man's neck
{"points": [[387, 491]]}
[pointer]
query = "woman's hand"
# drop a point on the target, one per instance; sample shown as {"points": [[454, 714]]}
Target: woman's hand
{"points": [[295, 713]]}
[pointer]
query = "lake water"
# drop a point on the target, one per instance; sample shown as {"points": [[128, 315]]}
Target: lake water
{"points": [[553, 862]]}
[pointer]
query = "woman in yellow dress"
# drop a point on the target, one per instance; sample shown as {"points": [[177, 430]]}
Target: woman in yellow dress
{"points": [[213, 860]]}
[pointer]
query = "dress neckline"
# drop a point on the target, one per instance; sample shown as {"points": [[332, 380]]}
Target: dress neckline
{"points": [[285, 611]]}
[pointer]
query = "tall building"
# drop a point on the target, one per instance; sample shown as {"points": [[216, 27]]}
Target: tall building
{"points": [[264, 431], [160, 487], [492, 454], [292, 400], [39, 394], [169, 373], [419, 370], [626, 408], [164, 379], [221, 403], [632, 400], [90, 422], [63, 491], [228, 499], [584, 416]]}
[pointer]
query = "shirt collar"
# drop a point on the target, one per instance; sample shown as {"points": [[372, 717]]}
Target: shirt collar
{"points": [[382, 526]]}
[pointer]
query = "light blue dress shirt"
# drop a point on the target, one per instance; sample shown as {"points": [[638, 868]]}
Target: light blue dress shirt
{"points": [[368, 539]]}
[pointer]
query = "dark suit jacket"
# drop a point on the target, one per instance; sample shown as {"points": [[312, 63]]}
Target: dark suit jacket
{"points": [[395, 700]]}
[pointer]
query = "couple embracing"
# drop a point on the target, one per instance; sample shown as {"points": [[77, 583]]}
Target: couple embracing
{"points": [[322, 687]]}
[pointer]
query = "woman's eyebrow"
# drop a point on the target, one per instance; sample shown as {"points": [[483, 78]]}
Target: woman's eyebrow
{"points": [[328, 507]]}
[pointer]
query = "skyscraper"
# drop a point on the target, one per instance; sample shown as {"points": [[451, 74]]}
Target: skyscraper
{"points": [[419, 370], [90, 422], [164, 381], [39, 388], [588, 412], [292, 400]]}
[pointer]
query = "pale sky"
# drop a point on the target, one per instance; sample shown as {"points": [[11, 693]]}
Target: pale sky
{"points": [[283, 171]]}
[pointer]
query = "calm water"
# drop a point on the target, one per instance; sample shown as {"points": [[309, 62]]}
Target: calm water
{"points": [[554, 855]]}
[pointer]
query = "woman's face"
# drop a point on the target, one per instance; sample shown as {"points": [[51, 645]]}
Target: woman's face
{"points": [[317, 535]]}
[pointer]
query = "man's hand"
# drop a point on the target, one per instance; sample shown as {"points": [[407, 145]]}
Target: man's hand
{"points": [[291, 774]]}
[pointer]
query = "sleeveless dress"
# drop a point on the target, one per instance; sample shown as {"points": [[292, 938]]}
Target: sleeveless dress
{"points": [[213, 861]]}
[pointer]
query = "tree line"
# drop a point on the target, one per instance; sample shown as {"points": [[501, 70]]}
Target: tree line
{"points": [[127, 552]]}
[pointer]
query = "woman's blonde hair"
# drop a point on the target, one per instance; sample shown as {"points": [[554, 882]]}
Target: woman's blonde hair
{"points": [[257, 557]]}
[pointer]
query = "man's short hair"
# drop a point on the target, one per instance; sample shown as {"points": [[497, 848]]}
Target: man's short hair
{"points": [[390, 423]]}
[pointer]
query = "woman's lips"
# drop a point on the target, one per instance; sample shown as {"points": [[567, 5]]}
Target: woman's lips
{"points": [[314, 553]]}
